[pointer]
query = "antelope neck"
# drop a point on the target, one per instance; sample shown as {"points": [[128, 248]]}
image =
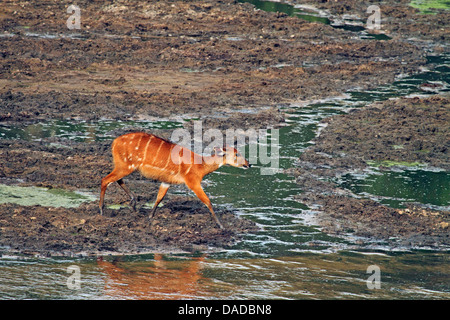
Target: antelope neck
{"points": [[212, 163]]}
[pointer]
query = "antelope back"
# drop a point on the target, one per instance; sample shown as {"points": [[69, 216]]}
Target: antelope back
{"points": [[151, 155]]}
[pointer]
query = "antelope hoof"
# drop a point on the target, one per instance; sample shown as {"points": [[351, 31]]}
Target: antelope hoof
{"points": [[152, 213], [220, 224], [133, 204]]}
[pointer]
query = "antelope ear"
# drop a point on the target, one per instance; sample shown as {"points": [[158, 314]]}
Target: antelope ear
{"points": [[219, 151]]}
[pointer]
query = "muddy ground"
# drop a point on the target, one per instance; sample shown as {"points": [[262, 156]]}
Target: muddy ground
{"points": [[207, 60], [181, 225], [399, 20], [407, 130], [137, 60]]}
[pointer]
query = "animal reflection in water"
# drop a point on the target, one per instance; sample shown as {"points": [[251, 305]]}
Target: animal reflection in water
{"points": [[159, 280]]}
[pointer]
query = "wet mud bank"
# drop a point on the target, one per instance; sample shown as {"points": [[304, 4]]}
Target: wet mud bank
{"points": [[181, 225], [406, 129], [133, 60], [402, 131], [398, 19]]}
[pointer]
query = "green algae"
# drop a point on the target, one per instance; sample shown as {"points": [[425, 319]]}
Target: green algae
{"points": [[30, 196]]}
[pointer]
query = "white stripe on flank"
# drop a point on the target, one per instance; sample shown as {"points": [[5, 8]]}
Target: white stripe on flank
{"points": [[139, 142], [145, 150], [170, 156], [157, 152], [152, 167]]}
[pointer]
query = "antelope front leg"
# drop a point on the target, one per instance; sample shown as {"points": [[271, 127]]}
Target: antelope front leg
{"points": [[161, 193], [198, 190]]}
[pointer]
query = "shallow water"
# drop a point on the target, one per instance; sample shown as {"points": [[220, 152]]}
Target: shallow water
{"points": [[289, 259], [307, 275], [79, 130], [394, 188]]}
